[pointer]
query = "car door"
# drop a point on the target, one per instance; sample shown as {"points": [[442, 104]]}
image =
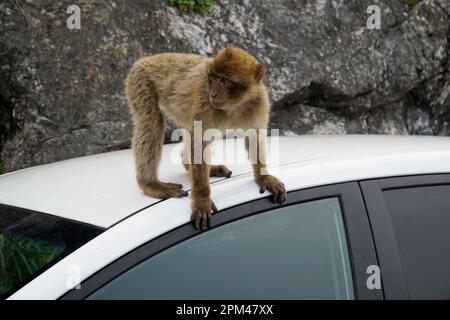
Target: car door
{"points": [[410, 219], [318, 245]]}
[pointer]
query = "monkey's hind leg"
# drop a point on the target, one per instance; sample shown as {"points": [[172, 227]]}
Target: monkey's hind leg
{"points": [[220, 171], [147, 144], [148, 139], [215, 170], [163, 190]]}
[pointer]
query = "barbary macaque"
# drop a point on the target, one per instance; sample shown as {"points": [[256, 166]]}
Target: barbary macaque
{"points": [[223, 92]]}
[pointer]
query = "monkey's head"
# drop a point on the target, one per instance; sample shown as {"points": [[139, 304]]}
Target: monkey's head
{"points": [[232, 74]]}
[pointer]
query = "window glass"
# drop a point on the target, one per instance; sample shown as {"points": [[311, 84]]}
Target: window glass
{"points": [[421, 221], [295, 252], [31, 242]]}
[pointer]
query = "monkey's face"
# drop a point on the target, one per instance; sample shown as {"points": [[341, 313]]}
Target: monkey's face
{"points": [[231, 76], [223, 92]]}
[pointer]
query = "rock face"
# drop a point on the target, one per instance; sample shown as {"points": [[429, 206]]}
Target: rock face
{"points": [[61, 90]]}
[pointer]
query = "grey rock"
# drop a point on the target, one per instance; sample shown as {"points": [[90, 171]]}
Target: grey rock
{"points": [[302, 119], [61, 91]]}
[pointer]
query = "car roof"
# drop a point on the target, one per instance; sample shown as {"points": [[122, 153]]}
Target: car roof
{"points": [[101, 189]]}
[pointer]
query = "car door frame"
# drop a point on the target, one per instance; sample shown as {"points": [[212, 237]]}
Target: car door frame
{"points": [[357, 228], [392, 275]]}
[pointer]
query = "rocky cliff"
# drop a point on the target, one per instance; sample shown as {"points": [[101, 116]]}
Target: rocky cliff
{"points": [[61, 90]]}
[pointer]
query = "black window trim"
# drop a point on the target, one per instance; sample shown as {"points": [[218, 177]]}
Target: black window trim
{"points": [[358, 233], [393, 278], [31, 211]]}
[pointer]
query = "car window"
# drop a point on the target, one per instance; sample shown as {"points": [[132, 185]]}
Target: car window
{"points": [[421, 221], [31, 242], [294, 252]]}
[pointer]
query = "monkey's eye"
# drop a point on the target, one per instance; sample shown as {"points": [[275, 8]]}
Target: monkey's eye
{"points": [[226, 81]]}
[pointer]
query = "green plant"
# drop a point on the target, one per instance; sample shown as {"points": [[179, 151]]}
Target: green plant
{"points": [[413, 3], [199, 6], [20, 258], [2, 167]]}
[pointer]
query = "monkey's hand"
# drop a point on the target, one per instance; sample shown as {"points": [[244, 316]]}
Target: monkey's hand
{"points": [[201, 212], [274, 185]]}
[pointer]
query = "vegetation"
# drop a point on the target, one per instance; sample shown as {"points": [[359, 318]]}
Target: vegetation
{"points": [[413, 3], [199, 6], [1, 166], [20, 258]]}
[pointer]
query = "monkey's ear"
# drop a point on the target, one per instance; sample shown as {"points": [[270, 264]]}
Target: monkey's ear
{"points": [[259, 72]]}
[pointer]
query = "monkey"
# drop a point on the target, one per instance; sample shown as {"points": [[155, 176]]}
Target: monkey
{"points": [[225, 91]]}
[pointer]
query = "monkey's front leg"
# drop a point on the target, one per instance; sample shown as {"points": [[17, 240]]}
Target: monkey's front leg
{"points": [[199, 169], [202, 205], [260, 172], [272, 184]]}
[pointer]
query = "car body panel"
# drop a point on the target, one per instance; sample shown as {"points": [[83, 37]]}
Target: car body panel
{"points": [[101, 189], [346, 159]]}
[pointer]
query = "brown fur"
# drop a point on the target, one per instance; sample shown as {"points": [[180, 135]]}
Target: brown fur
{"points": [[223, 92]]}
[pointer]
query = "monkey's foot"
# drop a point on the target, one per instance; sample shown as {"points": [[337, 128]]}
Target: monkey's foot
{"points": [[220, 171], [273, 185], [163, 190], [201, 213]]}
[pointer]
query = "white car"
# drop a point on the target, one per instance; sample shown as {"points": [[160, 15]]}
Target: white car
{"points": [[366, 217]]}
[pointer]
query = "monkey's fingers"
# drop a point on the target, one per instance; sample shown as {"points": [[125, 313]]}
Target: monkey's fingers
{"points": [[281, 196], [274, 195], [274, 190], [174, 185], [201, 215], [279, 193], [195, 219], [262, 188], [209, 222], [184, 193], [206, 220], [201, 220], [220, 171], [177, 193], [213, 207]]}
